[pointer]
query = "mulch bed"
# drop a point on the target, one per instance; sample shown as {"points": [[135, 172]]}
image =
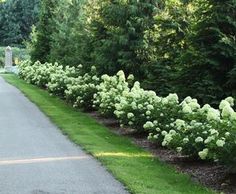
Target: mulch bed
{"points": [[208, 174]]}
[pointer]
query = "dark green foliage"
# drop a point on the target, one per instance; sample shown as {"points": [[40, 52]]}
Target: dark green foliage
{"points": [[182, 46], [16, 19], [212, 58], [66, 44], [119, 36], [41, 47], [167, 43]]}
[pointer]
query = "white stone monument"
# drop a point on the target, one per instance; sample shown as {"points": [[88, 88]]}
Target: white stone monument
{"points": [[8, 59]]}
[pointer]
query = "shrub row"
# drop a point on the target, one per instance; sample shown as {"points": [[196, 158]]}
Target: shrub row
{"points": [[200, 132]]}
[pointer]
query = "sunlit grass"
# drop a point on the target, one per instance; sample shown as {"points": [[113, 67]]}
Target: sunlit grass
{"points": [[136, 168]]}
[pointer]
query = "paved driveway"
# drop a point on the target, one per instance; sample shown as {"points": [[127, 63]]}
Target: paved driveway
{"points": [[35, 158]]}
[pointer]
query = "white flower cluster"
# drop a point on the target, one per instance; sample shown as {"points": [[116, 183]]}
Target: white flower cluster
{"points": [[60, 78], [204, 132], [136, 106], [109, 93], [201, 132], [36, 73], [80, 90]]}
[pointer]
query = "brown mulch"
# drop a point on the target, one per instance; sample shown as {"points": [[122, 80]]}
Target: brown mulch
{"points": [[208, 174]]}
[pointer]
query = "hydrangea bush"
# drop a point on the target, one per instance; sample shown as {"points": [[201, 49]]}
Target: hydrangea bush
{"points": [[136, 106], [109, 93], [203, 132], [60, 78], [81, 89], [26, 71], [37, 73]]}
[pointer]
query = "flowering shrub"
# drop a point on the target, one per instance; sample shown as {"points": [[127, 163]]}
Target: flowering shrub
{"points": [[199, 132], [38, 74], [42, 73], [164, 113], [81, 89], [135, 106], [109, 93], [206, 133], [61, 77], [27, 71]]}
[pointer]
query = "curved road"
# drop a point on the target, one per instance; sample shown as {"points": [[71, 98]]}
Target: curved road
{"points": [[35, 158]]}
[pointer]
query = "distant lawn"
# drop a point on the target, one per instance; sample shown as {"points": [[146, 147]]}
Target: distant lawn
{"points": [[137, 169]]}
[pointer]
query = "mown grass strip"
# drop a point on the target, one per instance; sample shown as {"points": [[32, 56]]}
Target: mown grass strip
{"points": [[136, 168]]}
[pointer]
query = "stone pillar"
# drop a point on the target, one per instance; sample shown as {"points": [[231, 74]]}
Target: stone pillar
{"points": [[8, 59]]}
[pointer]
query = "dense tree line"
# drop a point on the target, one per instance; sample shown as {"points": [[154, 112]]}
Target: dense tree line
{"points": [[182, 46], [16, 20]]}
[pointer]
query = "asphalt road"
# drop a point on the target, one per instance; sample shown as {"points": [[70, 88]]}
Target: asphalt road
{"points": [[35, 158]]}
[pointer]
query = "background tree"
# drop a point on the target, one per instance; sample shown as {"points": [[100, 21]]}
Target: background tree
{"points": [[16, 20], [181, 46], [40, 48], [212, 53], [167, 42], [65, 45]]}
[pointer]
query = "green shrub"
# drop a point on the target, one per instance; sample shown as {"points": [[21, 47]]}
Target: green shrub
{"points": [[200, 132], [80, 91]]}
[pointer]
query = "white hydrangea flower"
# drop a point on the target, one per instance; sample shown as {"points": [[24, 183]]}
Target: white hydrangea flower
{"points": [[155, 122], [220, 143], [130, 115], [173, 98], [164, 133], [209, 139], [155, 136], [150, 136], [194, 105], [131, 77], [223, 104], [227, 112], [214, 132], [134, 106], [199, 139], [180, 123], [164, 101], [130, 123], [233, 116], [188, 99], [150, 107], [185, 140], [179, 149], [203, 154], [168, 138], [230, 100], [213, 114], [148, 125], [164, 143], [187, 109], [172, 132], [140, 106]]}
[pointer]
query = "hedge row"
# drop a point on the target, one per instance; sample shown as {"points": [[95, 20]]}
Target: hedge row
{"points": [[201, 132]]}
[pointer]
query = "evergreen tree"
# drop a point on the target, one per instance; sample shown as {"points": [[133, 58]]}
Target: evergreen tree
{"points": [[118, 30], [212, 55], [65, 45], [16, 20], [40, 49]]}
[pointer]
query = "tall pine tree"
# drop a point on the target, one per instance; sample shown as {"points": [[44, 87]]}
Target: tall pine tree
{"points": [[40, 49]]}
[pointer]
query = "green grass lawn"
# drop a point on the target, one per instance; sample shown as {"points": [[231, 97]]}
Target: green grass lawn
{"points": [[137, 169]]}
